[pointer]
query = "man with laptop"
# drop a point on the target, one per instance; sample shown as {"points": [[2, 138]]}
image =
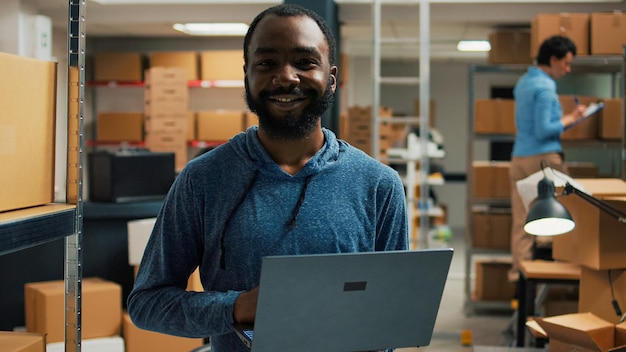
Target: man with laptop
{"points": [[287, 188]]}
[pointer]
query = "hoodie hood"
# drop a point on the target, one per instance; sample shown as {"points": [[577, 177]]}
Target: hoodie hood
{"points": [[249, 148]]}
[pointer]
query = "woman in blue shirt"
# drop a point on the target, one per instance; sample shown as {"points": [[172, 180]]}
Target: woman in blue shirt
{"points": [[539, 122]]}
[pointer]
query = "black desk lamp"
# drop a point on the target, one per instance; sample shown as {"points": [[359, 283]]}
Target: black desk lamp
{"points": [[548, 217]]}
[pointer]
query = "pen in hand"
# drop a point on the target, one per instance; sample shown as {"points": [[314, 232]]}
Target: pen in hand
{"points": [[576, 100]]}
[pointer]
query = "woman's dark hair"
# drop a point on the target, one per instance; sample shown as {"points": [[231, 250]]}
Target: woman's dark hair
{"points": [[557, 46], [291, 10]]}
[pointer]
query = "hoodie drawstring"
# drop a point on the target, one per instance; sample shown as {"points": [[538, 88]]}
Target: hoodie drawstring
{"points": [[292, 222]]}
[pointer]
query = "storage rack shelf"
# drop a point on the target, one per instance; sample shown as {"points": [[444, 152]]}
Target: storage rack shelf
{"points": [[29, 227], [190, 84], [613, 65], [21, 229]]}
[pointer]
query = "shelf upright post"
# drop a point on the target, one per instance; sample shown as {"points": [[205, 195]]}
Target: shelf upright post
{"points": [[468, 235], [623, 95], [376, 24], [424, 94], [75, 147]]}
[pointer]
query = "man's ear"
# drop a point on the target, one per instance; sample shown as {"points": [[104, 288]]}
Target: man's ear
{"points": [[334, 70]]}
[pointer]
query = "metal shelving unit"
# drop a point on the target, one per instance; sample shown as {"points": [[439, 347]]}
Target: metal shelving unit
{"points": [[421, 83], [613, 65], [75, 149], [25, 228]]}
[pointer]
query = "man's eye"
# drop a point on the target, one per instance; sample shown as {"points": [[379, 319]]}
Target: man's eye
{"points": [[265, 63], [306, 63]]}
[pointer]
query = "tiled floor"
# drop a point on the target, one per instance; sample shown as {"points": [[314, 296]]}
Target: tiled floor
{"points": [[487, 328]]}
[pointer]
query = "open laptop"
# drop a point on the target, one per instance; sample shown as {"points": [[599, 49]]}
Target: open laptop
{"points": [[348, 302]]}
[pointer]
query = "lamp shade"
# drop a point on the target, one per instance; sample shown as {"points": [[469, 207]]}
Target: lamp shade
{"points": [[547, 217]]}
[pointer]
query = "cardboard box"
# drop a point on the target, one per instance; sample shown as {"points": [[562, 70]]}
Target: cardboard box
{"points": [[492, 283], [598, 288], [586, 130], [608, 33], [491, 179], [221, 65], [597, 241], [138, 234], [492, 229], [139, 340], [509, 47], [172, 122], [101, 344], [572, 25], [121, 67], [101, 310], [12, 341], [27, 131], [187, 60], [120, 127], [495, 116], [175, 142], [166, 76], [219, 125], [167, 122], [611, 125], [583, 332], [580, 169]]}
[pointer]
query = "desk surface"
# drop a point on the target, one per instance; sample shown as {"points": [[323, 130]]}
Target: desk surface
{"points": [[540, 269]]}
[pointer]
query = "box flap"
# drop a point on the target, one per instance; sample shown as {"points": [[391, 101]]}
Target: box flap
{"points": [[581, 329], [620, 334], [603, 187]]}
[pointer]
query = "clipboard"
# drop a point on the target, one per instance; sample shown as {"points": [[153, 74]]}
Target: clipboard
{"points": [[589, 112]]}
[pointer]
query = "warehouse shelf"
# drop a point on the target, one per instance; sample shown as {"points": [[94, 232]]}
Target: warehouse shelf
{"points": [[190, 84], [24, 228], [116, 84], [125, 144], [613, 65]]}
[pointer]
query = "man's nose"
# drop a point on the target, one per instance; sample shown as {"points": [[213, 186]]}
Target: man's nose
{"points": [[286, 75]]}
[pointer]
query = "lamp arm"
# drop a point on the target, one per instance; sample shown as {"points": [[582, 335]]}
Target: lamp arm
{"points": [[604, 206]]}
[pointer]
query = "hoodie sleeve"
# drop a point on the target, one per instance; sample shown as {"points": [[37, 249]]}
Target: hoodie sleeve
{"points": [[159, 300], [392, 228]]}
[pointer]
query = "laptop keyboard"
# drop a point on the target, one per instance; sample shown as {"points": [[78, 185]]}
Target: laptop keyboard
{"points": [[249, 333]]}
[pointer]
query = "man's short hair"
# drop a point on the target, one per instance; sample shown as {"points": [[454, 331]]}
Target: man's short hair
{"points": [[557, 46], [291, 10]]}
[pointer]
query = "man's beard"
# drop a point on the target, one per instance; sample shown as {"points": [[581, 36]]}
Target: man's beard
{"points": [[291, 127]]}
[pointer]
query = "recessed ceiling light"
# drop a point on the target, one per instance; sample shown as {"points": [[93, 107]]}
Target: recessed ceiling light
{"points": [[473, 45], [215, 29]]}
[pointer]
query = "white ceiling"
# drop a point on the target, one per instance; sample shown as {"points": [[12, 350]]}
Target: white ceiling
{"points": [[450, 20]]}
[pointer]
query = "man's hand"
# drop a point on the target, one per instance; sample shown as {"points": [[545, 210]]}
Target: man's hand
{"points": [[244, 310]]}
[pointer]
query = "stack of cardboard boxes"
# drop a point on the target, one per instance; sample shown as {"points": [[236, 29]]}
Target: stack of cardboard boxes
{"points": [[105, 326], [167, 111], [356, 129], [594, 34], [497, 116], [598, 245]]}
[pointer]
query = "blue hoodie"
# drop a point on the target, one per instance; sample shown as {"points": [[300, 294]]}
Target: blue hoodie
{"points": [[233, 205]]}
